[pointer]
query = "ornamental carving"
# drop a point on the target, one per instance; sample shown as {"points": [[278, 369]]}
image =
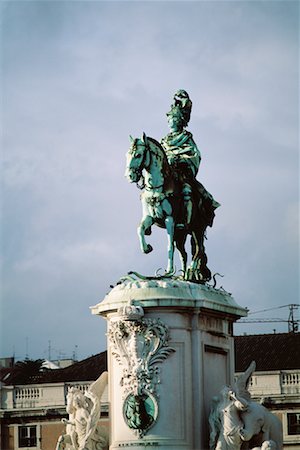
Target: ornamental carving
{"points": [[139, 344]]}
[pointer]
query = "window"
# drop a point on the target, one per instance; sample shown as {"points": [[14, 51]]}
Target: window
{"points": [[293, 421], [27, 436]]}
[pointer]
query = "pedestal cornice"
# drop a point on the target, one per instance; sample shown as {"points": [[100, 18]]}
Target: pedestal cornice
{"points": [[173, 294]]}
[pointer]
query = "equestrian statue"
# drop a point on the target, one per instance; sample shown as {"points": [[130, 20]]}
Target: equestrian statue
{"points": [[172, 197]]}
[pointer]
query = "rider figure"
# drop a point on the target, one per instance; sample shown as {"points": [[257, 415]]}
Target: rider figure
{"points": [[184, 156]]}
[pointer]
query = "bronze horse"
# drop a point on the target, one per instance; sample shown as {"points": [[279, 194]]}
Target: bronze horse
{"points": [[162, 205]]}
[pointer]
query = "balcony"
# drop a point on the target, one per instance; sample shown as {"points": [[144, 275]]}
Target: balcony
{"points": [[275, 383], [39, 395]]}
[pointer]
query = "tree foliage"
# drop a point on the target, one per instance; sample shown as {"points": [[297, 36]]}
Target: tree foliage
{"points": [[26, 371]]}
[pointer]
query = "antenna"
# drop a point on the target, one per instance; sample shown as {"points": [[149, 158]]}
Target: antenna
{"points": [[49, 350], [75, 353], [293, 324]]}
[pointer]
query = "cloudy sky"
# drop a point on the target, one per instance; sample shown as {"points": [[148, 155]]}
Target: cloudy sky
{"points": [[78, 78]]}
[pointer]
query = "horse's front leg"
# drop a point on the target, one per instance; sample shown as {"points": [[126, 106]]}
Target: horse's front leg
{"points": [[169, 222], [146, 223]]}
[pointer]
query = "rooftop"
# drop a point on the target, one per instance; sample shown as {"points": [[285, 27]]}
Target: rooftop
{"points": [[88, 369], [270, 351]]}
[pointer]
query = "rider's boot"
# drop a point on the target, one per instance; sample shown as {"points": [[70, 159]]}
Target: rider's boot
{"points": [[188, 208]]}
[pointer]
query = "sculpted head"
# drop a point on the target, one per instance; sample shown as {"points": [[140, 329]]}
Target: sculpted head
{"points": [[75, 399], [180, 113], [182, 99], [79, 400]]}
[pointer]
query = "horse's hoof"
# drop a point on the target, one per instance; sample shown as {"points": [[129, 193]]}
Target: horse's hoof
{"points": [[148, 249], [169, 273], [206, 273]]}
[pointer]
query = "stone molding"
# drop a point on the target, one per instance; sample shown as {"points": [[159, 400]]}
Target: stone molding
{"points": [[169, 293]]}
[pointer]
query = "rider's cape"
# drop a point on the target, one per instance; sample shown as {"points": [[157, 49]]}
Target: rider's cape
{"points": [[205, 201]]}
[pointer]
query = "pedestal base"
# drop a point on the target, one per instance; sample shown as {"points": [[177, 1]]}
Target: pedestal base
{"points": [[182, 331]]}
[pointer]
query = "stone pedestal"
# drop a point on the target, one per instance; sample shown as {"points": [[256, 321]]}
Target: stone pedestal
{"points": [[170, 350]]}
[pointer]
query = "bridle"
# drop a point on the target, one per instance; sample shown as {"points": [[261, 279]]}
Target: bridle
{"points": [[138, 170]]}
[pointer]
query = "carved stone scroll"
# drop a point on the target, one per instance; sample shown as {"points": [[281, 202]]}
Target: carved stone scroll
{"points": [[139, 344]]}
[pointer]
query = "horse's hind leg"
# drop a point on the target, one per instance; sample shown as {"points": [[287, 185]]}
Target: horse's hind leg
{"points": [[193, 272], [180, 238], [199, 268], [204, 270], [196, 251]]}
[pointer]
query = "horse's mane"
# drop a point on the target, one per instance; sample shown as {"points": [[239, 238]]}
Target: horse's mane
{"points": [[158, 144], [162, 153]]}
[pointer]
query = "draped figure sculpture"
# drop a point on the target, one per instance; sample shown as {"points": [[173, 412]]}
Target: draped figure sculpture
{"points": [[171, 197], [83, 431]]}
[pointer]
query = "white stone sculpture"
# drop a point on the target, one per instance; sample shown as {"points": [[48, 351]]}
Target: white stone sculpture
{"points": [[83, 431], [225, 421], [236, 420], [267, 445], [138, 345]]}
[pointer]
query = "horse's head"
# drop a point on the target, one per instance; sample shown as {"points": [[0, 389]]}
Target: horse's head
{"points": [[137, 158]]}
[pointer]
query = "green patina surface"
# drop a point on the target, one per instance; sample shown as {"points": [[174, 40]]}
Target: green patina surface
{"points": [[140, 412], [172, 198]]}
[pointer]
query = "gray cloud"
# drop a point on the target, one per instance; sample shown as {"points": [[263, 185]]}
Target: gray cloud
{"points": [[78, 78]]}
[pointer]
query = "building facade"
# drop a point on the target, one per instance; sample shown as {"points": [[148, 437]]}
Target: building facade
{"points": [[31, 412], [276, 381]]}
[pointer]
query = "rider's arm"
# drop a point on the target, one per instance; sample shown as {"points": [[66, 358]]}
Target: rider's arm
{"points": [[188, 150]]}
